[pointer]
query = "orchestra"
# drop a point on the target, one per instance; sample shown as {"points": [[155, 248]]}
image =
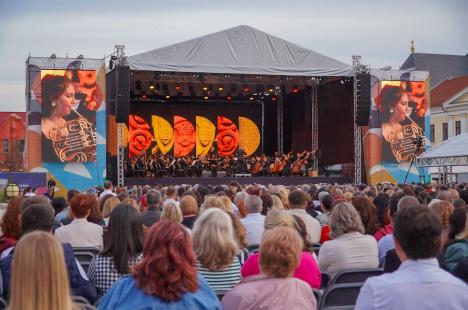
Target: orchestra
{"points": [[299, 164]]}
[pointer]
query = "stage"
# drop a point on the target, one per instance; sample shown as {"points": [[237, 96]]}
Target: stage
{"points": [[165, 181]]}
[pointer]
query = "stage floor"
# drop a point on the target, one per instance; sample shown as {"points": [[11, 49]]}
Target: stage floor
{"points": [[242, 180]]}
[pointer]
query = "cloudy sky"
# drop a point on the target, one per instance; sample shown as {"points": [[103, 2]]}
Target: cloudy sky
{"points": [[379, 31]]}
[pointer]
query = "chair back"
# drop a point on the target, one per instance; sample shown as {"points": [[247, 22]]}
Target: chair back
{"points": [[340, 295], [82, 303], [317, 295], [324, 281], [84, 255], [355, 276], [316, 248]]}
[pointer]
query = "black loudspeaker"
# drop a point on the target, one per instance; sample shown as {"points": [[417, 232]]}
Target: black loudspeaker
{"points": [[122, 94], [363, 98]]}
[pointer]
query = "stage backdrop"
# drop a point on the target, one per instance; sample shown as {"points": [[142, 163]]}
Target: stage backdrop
{"points": [[66, 120], [398, 128], [183, 128]]}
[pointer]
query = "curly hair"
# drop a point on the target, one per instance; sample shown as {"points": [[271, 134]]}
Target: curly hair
{"points": [[280, 252], [10, 224], [168, 268]]}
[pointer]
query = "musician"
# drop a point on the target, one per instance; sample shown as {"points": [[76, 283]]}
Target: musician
{"points": [[58, 100]]}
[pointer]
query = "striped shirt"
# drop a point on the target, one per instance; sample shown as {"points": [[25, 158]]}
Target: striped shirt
{"points": [[222, 280]]}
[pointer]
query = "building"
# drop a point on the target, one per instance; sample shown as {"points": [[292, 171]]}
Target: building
{"points": [[12, 135]]}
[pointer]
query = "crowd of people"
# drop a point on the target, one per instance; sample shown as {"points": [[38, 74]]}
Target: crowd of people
{"points": [[299, 164], [236, 247]]}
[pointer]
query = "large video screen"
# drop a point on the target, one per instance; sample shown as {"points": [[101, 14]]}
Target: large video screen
{"points": [[69, 100], [194, 130]]}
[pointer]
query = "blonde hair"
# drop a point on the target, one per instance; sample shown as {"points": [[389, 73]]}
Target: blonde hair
{"points": [[213, 239], [344, 219], [284, 193], [280, 252], [227, 203], [39, 279], [277, 203], [131, 201], [277, 218], [171, 212], [212, 202], [188, 205], [109, 205], [348, 196]]}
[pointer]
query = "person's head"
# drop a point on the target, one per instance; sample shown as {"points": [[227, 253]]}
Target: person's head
{"points": [[131, 200], [227, 204], [213, 239], [10, 223], [417, 233], [277, 203], [326, 203], [71, 193], [39, 277], [457, 222], [407, 201], [280, 252], [443, 209], [367, 212], [212, 202], [253, 204], [235, 186], [95, 214], [80, 206], [344, 219], [35, 200], [297, 200], [381, 203], [59, 204], [168, 269], [267, 202], [109, 205], [124, 238], [459, 203], [153, 199], [171, 192], [277, 218], [445, 195], [37, 217], [463, 234], [171, 212], [394, 103], [58, 96], [188, 205], [108, 185]]}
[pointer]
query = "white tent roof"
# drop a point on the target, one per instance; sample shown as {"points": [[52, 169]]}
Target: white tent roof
{"points": [[239, 50], [451, 152]]}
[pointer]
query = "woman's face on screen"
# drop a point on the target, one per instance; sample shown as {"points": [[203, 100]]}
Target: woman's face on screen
{"points": [[401, 109], [65, 101]]}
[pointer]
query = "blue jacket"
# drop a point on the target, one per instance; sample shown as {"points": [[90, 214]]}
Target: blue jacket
{"points": [[125, 295], [78, 285], [454, 253]]}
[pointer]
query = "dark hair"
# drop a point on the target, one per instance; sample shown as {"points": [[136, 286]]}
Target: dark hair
{"points": [[124, 238], [457, 222], [368, 213], [459, 203], [153, 199], [52, 86], [267, 202], [71, 193], [107, 184], [59, 203], [393, 202], [390, 95], [297, 198], [418, 231], [168, 269], [381, 202], [171, 191], [37, 217], [95, 215], [327, 202]]}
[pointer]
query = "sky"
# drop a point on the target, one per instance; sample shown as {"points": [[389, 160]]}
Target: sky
{"points": [[379, 31]]}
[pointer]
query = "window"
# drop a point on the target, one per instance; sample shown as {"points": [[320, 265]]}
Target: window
{"points": [[20, 146], [457, 128], [432, 133], [444, 131], [5, 146]]}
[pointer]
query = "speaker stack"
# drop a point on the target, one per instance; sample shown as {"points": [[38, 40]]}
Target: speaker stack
{"points": [[122, 94], [363, 98]]}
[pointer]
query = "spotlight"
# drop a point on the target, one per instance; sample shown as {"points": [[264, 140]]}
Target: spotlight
{"points": [[177, 87], [271, 88], [251, 98], [273, 99], [151, 85], [246, 88], [220, 88], [205, 88], [342, 82], [229, 98], [168, 97], [206, 97], [295, 89]]}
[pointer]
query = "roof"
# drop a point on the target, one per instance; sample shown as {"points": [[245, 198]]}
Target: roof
{"points": [[440, 66], [451, 152], [447, 89], [5, 115], [239, 50]]}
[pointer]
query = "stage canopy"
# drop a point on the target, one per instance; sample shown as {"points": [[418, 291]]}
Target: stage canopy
{"points": [[451, 152], [239, 50]]}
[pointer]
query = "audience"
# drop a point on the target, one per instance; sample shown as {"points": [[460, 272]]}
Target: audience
{"points": [[350, 248], [216, 249], [418, 283], [171, 212], [254, 220], [458, 248], [153, 212], [368, 213], [10, 224], [274, 288], [189, 208], [166, 278], [122, 248], [80, 232], [39, 279], [297, 206]]}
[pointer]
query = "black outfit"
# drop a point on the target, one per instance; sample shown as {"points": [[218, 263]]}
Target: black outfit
{"points": [[189, 221], [150, 217], [48, 153]]}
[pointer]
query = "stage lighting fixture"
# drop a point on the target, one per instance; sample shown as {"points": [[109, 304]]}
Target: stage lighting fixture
{"points": [[246, 88], [143, 96], [342, 82], [273, 98], [178, 88], [151, 85], [229, 98], [295, 89], [53, 56], [206, 97], [251, 98], [168, 97], [220, 88], [271, 88], [205, 88]]}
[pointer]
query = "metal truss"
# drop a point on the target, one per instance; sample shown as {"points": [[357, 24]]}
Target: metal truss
{"points": [[442, 161]]}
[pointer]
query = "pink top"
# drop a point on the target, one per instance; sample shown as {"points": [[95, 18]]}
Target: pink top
{"points": [[307, 270]]}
